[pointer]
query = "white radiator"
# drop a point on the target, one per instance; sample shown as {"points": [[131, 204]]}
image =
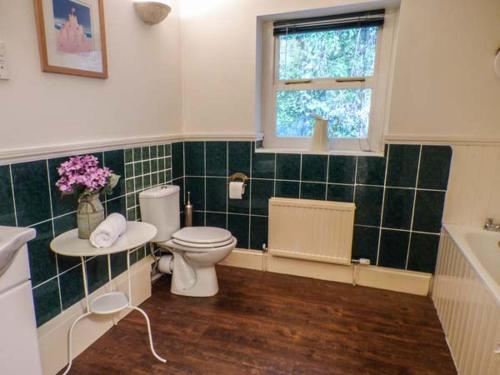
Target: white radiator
{"points": [[313, 230]]}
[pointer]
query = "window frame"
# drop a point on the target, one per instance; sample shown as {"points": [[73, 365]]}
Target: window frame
{"points": [[379, 83]]}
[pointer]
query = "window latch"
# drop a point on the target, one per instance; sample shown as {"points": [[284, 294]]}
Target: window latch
{"points": [[350, 79], [298, 81]]}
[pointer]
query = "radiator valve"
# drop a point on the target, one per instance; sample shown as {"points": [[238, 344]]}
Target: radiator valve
{"points": [[361, 261]]}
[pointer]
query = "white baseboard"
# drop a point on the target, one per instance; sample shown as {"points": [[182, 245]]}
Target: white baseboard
{"points": [[250, 259], [370, 276], [53, 335]]}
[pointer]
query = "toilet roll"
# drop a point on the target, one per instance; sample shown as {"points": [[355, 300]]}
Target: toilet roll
{"points": [[236, 190]]}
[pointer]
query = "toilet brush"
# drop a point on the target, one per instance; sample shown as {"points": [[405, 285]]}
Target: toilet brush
{"points": [[188, 211]]}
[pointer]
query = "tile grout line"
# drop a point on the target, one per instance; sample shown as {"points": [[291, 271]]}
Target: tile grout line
{"points": [[275, 171], [227, 181], [327, 176], [397, 229], [13, 195], [355, 179], [105, 198], [133, 190], [183, 144], [383, 203], [54, 232], [231, 213], [205, 182], [333, 183], [141, 177], [55, 218], [149, 174], [49, 280], [300, 177], [149, 159], [413, 209], [150, 169], [62, 273], [250, 196]]}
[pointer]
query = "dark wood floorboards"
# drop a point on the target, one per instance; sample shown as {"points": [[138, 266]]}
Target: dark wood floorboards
{"points": [[265, 323]]}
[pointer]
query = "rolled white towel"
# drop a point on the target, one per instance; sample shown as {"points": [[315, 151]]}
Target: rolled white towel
{"points": [[108, 232]]}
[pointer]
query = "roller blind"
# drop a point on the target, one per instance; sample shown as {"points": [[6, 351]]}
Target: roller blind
{"points": [[339, 21]]}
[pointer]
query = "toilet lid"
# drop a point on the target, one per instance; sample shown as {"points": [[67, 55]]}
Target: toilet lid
{"points": [[203, 245], [202, 235]]}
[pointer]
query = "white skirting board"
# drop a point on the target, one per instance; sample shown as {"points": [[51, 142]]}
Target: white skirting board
{"points": [[370, 276], [53, 335]]}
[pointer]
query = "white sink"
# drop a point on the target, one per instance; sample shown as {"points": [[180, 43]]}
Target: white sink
{"points": [[11, 240]]}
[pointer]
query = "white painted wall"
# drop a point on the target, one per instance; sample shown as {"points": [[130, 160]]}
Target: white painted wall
{"points": [[219, 60], [444, 83], [196, 73], [473, 190], [142, 96]]}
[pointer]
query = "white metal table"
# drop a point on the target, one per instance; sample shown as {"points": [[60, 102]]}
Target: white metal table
{"points": [[68, 244]]}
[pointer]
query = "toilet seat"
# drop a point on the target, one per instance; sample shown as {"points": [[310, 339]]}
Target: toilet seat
{"points": [[189, 248], [202, 237], [202, 245]]}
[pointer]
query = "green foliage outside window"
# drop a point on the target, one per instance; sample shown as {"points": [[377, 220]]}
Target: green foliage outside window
{"points": [[326, 55], [347, 112]]}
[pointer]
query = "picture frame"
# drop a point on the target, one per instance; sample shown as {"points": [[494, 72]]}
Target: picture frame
{"points": [[72, 37]]}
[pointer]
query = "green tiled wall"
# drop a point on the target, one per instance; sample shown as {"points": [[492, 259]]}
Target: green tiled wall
{"points": [[399, 201], [399, 197], [28, 197]]}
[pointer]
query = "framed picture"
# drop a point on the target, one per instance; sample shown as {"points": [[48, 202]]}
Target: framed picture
{"points": [[72, 37]]}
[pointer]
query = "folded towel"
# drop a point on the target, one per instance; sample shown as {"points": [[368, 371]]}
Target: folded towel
{"points": [[108, 232]]}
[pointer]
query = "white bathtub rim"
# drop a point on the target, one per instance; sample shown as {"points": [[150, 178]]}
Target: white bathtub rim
{"points": [[458, 234]]}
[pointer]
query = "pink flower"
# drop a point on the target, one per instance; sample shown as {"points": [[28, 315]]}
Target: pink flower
{"points": [[82, 173]]}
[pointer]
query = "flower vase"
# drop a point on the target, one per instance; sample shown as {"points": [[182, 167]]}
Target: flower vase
{"points": [[319, 141], [90, 214]]}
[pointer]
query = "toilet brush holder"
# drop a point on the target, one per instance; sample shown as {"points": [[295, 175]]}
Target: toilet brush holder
{"points": [[188, 211]]}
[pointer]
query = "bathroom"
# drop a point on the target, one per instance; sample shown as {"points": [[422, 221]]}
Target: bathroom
{"points": [[282, 211]]}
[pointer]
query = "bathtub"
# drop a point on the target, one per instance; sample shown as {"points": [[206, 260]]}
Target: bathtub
{"points": [[466, 294]]}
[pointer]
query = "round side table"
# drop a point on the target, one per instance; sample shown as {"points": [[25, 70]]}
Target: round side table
{"points": [[68, 244]]}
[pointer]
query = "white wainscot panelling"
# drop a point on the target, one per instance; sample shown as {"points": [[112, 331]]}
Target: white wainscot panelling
{"points": [[468, 310]]}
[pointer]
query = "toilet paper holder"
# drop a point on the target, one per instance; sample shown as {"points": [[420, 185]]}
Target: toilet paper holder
{"points": [[239, 177]]}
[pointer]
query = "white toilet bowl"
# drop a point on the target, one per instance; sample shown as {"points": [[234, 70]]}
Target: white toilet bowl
{"points": [[196, 251]]}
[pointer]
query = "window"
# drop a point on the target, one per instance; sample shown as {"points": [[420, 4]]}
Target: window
{"points": [[335, 67]]}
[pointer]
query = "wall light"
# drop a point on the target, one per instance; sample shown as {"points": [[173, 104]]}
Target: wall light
{"points": [[152, 12]]}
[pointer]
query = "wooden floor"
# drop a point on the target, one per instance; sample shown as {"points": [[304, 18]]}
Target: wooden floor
{"points": [[265, 323]]}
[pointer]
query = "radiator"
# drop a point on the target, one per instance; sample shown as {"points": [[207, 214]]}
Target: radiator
{"points": [[313, 230]]}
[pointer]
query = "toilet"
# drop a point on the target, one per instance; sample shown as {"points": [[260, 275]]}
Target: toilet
{"points": [[195, 250]]}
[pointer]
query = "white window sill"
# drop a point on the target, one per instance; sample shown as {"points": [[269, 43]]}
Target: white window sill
{"points": [[309, 152]]}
